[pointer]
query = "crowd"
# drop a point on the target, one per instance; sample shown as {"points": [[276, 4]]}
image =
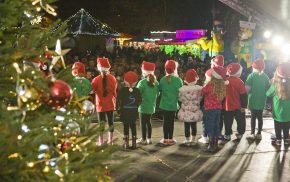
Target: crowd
{"points": [[216, 100]]}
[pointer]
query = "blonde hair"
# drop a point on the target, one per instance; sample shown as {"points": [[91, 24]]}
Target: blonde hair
{"points": [[282, 88], [219, 88]]}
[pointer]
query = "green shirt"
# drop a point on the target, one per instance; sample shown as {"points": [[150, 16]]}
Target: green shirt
{"points": [[169, 93], [148, 95], [82, 86], [259, 84], [281, 108]]}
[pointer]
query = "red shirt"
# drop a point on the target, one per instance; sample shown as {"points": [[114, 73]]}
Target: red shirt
{"points": [[235, 88], [107, 103], [211, 100]]}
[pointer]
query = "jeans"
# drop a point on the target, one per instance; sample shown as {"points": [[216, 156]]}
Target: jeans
{"points": [[222, 119], [107, 116], [187, 126], [211, 121], [168, 124], [229, 119], [279, 126], [145, 120], [256, 114], [130, 124]]}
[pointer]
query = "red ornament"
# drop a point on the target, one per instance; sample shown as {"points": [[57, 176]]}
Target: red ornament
{"points": [[65, 146], [60, 94], [47, 55]]}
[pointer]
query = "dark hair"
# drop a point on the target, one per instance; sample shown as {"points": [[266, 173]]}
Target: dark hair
{"points": [[151, 81], [105, 92]]}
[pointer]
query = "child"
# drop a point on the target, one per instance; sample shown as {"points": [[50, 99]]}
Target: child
{"points": [[104, 86], [169, 88], [235, 102], [80, 83], [148, 87], [190, 113], [214, 93], [280, 91], [129, 100], [257, 85]]}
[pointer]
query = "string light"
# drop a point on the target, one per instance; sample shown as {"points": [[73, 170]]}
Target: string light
{"points": [[19, 137], [30, 164], [46, 169], [57, 172]]}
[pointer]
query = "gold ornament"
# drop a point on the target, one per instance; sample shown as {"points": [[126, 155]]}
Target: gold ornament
{"points": [[28, 97]]}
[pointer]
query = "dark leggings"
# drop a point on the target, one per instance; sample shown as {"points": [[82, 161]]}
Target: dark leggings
{"points": [[222, 118], [187, 126], [256, 114], [146, 125], [129, 124], [282, 126], [168, 124], [107, 116]]}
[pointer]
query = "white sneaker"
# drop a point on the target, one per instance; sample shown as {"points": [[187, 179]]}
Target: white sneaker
{"points": [[251, 137], [203, 140], [149, 141], [141, 141], [192, 141], [186, 141]]}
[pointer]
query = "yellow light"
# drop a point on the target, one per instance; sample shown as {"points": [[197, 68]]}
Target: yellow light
{"points": [[13, 155], [55, 134], [46, 169], [57, 172], [19, 137], [38, 8], [30, 164]]}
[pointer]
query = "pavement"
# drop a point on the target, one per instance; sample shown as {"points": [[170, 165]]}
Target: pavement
{"points": [[235, 161]]}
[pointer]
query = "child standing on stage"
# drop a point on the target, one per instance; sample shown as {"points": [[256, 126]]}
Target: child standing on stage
{"points": [[214, 93], [257, 85], [190, 113], [104, 87], [235, 102], [148, 87], [169, 88], [280, 91], [129, 99], [80, 83]]}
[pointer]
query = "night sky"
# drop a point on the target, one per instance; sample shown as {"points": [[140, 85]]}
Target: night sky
{"points": [[138, 17]]}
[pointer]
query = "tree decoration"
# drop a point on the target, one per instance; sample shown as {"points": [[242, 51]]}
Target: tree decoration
{"points": [[49, 9], [59, 53]]}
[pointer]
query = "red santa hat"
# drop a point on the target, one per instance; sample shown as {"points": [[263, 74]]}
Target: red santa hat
{"points": [[259, 65], [208, 73], [218, 61], [103, 64], [234, 69], [191, 76], [283, 71], [170, 67], [220, 72], [78, 69], [130, 78], [148, 68]]}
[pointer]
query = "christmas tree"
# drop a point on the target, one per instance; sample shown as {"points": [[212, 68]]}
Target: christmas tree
{"points": [[45, 131]]}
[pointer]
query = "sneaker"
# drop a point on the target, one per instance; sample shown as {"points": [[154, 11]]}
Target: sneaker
{"points": [[149, 141], [203, 140], [186, 142], [192, 141], [164, 141], [227, 137], [239, 136], [286, 141], [259, 137], [251, 137], [171, 142], [141, 141], [278, 142]]}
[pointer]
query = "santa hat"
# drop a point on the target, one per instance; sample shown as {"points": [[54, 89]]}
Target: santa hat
{"points": [[130, 78], [208, 73], [170, 67], [148, 68], [103, 64], [218, 61], [259, 65], [78, 69], [219, 73], [191, 76], [234, 69], [283, 71]]}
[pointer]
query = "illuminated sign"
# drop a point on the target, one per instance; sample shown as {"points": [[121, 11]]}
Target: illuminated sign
{"points": [[190, 34]]}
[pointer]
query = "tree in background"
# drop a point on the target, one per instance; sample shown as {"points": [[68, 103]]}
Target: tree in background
{"points": [[45, 130]]}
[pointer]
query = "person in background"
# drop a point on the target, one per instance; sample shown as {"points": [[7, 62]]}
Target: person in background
{"points": [[214, 93], [235, 102], [129, 100], [169, 88], [257, 85], [81, 85], [148, 87], [280, 91], [190, 113], [104, 86]]}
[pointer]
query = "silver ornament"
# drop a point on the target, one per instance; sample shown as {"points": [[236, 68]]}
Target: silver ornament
{"points": [[88, 107]]}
